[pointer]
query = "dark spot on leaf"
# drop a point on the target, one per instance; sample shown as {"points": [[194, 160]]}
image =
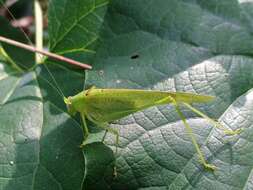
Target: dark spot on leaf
{"points": [[101, 72], [135, 56]]}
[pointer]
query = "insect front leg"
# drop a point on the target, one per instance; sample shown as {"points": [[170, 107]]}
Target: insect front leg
{"points": [[193, 139], [85, 130], [215, 123]]}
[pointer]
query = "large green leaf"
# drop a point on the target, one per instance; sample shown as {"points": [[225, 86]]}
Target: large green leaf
{"points": [[39, 140], [195, 46]]}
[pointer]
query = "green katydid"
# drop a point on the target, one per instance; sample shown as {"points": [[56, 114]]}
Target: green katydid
{"points": [[102, 106]]}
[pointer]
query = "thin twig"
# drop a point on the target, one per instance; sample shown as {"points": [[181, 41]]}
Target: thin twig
{"points": [[46, 53]]}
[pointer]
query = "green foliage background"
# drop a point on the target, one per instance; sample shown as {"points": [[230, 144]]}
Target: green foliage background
{"points": [[182, 45]]}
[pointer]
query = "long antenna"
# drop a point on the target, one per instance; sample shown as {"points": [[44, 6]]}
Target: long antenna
{"points": [[43, 52]]}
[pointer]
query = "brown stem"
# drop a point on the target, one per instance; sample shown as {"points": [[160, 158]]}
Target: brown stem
{"points": [[46, 53]]}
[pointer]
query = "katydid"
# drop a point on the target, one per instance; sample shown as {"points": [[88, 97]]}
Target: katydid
{"points": [[102, 106]]}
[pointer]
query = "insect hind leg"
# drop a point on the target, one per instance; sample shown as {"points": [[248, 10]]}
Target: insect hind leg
{"points": [[212, 121], [103, 139], [116, 133], [191, 134]]}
